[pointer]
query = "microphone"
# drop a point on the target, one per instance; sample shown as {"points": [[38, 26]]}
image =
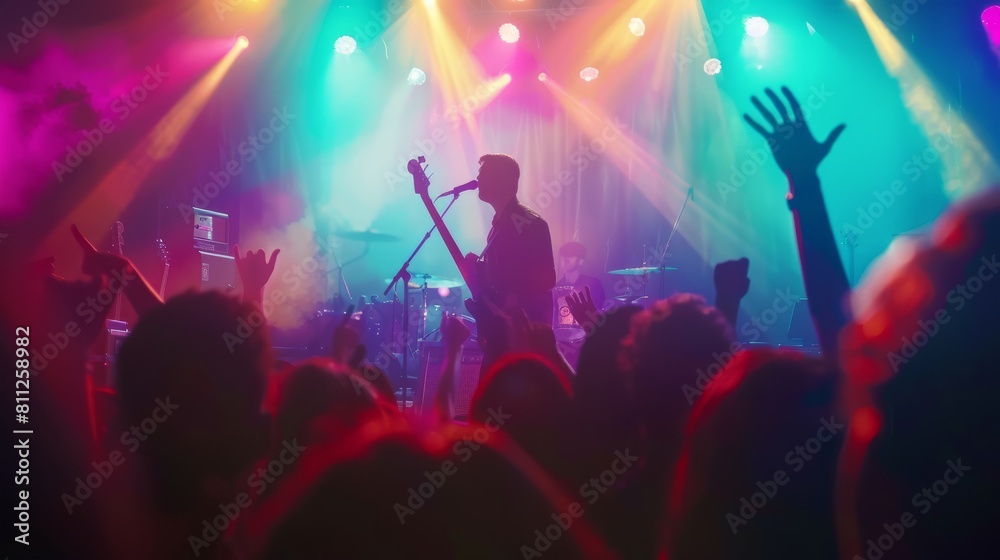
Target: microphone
{"points": [[470, 186]]}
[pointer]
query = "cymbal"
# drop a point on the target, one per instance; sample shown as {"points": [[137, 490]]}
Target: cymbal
{"points": [[641, 270], [641, 301], [630, 299], [419, 279], [368, 236]]}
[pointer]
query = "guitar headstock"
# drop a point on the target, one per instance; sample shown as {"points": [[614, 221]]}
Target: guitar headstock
{"points": [[851, 239], [420, 179]]}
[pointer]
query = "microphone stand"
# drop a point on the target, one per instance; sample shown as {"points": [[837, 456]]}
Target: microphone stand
{"points": [[663, 257], [404, 275]]}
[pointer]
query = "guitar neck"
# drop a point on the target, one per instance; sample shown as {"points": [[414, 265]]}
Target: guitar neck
{"points": [[449, 242], [163, 282], [120, 249]]}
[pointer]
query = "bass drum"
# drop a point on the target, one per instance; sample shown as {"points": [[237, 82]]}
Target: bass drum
{"points": [[373, 321], [378, 323], [565, 327]]}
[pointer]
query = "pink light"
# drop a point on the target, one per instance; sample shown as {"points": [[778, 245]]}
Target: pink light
{"points": [[991, 21]]}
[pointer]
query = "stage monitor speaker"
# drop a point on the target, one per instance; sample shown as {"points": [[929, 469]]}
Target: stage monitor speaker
{"points": [[218, 272], [801, 327], [432, 359]]}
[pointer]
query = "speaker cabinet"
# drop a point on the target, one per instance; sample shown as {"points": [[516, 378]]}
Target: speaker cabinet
{"points": [[431, 362]]}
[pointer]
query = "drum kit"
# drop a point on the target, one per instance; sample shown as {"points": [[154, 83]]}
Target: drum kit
{"points": [[380, 322]]}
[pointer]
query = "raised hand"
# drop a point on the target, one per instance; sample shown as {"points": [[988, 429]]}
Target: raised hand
{"points": [[96, 263], [108, 265], [731, 284], [731, 280], [796, 150], [453, 332], [581, 305], [254, 269]]}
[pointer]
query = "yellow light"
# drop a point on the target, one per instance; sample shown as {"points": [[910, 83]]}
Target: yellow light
{"points": [[966, 165]]}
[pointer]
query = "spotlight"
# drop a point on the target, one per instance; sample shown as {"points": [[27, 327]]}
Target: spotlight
{"points": [[509, 33], [417, 77], [991, 21], [589, 73], [542, 77], [345, 45], [242, 42], [637, 27], [991, 16], [756, 26], [712, 66]]}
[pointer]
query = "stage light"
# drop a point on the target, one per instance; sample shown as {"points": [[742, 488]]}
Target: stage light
{"points": [[637, 27], [991, 21], [417, 77], [509, 33], [345, 45], [242, 42], [589, 74], [756, 26], [542, 77], [810, 28], [713, 66]]}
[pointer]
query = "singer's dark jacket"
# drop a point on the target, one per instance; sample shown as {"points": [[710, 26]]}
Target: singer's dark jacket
{"points": [[518, 264]]}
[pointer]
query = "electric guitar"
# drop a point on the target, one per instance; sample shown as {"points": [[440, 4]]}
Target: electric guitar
{"points": [[469, 265], [119, 247]]}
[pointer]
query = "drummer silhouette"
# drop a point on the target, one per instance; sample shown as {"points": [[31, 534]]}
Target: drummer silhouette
{"points": [[571, 258]]}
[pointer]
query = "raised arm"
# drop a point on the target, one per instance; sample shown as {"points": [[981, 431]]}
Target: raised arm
{"points": [[799, 154], [116, 267], [254, 271]]}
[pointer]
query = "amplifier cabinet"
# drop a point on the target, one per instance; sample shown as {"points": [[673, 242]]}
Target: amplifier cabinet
{"points": [[431, 362]]}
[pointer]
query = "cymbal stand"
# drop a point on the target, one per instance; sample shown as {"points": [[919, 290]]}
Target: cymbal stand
{"points": [[666, 247], [341, 281]]}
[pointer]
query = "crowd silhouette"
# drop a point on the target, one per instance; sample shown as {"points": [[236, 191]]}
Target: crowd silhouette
{"points": [[883, 446]]}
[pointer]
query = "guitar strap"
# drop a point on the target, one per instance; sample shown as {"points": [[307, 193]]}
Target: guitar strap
{"points": [[489, 242]]}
